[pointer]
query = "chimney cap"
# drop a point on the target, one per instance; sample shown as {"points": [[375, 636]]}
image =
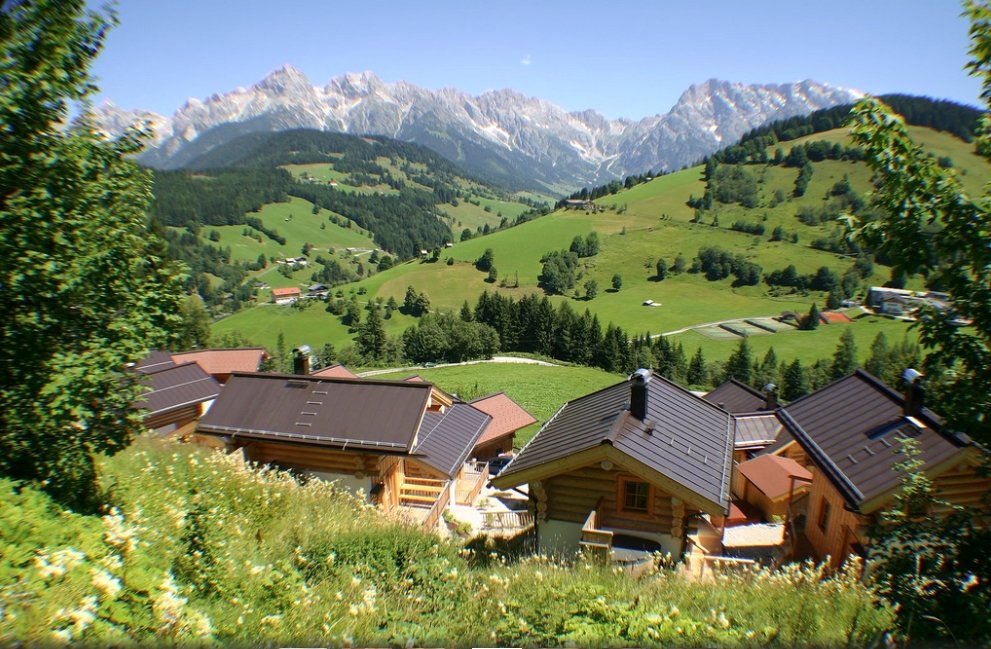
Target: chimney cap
{"points": [[641, 375], [770, 387], [911, 375]]}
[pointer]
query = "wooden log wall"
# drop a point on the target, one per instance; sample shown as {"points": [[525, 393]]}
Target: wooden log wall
{"points": [[570, 497], [965, 487], [315, 459]]}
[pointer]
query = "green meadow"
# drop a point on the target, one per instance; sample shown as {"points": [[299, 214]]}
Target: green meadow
{"points": [[540, 389], [636, 227]]}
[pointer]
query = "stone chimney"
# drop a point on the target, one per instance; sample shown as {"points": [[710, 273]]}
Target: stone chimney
{"points": [[915, 392], [638, 393], [770, 397], [301, 360]]}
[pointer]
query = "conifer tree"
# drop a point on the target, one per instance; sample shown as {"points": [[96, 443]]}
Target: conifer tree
{"points": [[738, 366], [845, 357], [696, 370]]}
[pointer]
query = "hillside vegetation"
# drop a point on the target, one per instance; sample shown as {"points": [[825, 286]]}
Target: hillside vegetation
{"points": [[645, 223], [196, 548], [399, 197]]}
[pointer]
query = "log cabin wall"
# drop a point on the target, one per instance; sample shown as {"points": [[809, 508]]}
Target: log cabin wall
{"points": [[572, 496], [377, 468], [965, 487], [414, 469], [830, 534]]}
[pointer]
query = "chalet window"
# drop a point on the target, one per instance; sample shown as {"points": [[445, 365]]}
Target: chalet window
{"points": [[824, 509], [635, 496]]}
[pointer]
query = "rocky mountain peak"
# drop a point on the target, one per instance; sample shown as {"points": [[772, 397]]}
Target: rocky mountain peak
{"points": [[501, 135]]}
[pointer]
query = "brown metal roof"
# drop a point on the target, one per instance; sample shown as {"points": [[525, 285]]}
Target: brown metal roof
{"points": [[683, 437], [445, 440], [756, 429], [224, 361], [773, 474], [507, 416], [736, 396], [177, 387], [344, 413], [337, 370], [851, 428], [155, 361]]}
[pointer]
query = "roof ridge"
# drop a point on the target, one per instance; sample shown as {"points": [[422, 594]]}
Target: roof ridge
{"points": [[330, 379], [218, 349], [691, 394]]}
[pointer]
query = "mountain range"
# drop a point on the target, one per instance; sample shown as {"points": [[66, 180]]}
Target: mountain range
{"points": [[501, 136]]}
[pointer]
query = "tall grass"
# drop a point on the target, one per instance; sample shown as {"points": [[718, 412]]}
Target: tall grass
{"points": [[196, 548]]}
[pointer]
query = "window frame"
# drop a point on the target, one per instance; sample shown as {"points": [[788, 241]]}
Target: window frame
{"points": [[825, 514], [622, 482]]}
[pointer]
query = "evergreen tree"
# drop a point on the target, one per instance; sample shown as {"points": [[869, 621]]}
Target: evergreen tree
{"points": [[767, 371], [281, 354], [371, 335], [591, 289], [617, 282], [811, 321], [738, 366], [83, 284], [794, 382], [466, 315], [696, 370], [662, 270], [484, 263], [845, 357], [877, 362]]}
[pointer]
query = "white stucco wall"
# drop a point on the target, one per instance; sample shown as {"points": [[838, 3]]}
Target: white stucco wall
{"points": [[559, 537]]}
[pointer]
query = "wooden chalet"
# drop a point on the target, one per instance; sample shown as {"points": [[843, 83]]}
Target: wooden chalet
{"points": [[221, 363], [404, 445], [848, 433], [771, 484], [627, 466], [507, 418], [178, 394]]}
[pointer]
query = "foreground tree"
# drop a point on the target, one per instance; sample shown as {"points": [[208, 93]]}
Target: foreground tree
{"points": [[84, 285], [930, 226]]}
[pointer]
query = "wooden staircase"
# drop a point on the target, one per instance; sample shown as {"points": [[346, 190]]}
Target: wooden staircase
{"points": [[420, 492]]}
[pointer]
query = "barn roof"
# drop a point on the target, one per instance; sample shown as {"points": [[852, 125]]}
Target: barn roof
{"points": [[507, 416]]}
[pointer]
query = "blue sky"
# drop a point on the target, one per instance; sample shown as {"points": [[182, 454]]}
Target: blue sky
{"points": [[623, 59]]}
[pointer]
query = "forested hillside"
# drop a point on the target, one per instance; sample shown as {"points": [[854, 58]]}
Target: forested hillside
{"points": [[405, 197], [758, 230]]}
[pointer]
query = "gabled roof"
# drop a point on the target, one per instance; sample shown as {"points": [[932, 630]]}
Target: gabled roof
{"points": [[773, 474], [155, 361], [736, 396], [282, 292], [335, 371], [507, 416], [850, 430], [445, 440], [684, 438], [343, 413], [176, 387], [224, 361], [756, 429]]}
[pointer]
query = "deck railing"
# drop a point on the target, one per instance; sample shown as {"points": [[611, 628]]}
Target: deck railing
{"points": [[433, 516], [474, 477], [595, 541]]}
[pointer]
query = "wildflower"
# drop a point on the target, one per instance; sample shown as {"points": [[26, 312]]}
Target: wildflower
{"points": [[355, 581], [675, 611], [353, 610], [62, 635], [339, 596], [106, 583], [723, 621], [85, 615], [46, 569], [271, 620]]}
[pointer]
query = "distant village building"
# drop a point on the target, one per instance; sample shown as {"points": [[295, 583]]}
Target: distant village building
{"points": [[286, 295]]}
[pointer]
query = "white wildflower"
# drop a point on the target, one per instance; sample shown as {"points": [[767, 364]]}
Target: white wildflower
{"points": [[106, 583]]}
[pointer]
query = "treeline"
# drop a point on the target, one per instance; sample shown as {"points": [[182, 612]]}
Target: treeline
{"points": [[612, 187], [947, 116], [402, 223], [182, 198]]}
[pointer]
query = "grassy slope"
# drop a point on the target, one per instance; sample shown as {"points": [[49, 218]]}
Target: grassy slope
{"points": [[656, 222], [201, 550], [539, 389]]}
